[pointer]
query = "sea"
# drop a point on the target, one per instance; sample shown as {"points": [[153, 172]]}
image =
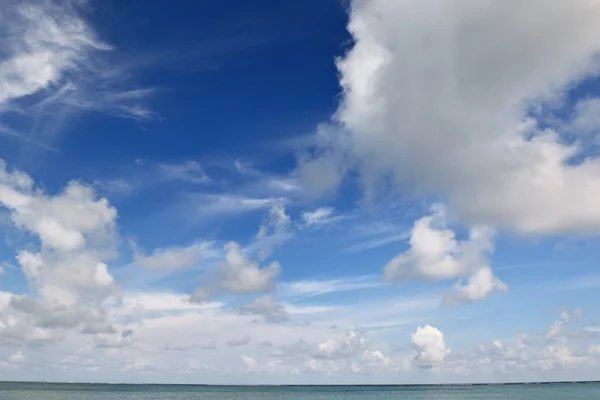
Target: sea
{"points": [[82, 391]]}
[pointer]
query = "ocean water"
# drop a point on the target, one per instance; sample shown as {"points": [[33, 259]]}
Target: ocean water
{"points": [[75, 391]]}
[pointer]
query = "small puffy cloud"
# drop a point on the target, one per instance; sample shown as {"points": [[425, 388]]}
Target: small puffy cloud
{"points": [[376, 360], [477, 286], [266, 307], [436, 254], [176, 257], [250, 363], [237, 275], [429, 343], [318, 217], [346, 346], [18, 357]]}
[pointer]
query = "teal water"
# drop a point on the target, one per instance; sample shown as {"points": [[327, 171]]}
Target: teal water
{"points": [[54, 391]]}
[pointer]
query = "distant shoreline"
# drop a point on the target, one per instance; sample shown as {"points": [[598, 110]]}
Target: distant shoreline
{"points": [[304, 385]]}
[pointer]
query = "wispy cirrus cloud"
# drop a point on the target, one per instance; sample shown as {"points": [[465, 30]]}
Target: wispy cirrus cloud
{"points": [[140, 175], [311, 288], [220, 204], [176, 257], [53, 65], [377, 242], [188, 171], [320, 217]]}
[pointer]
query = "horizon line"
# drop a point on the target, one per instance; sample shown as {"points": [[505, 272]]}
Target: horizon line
{"points": [[563, 382]]}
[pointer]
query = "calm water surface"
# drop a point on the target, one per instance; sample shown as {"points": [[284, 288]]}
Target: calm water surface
{"points": [[46, 391]]}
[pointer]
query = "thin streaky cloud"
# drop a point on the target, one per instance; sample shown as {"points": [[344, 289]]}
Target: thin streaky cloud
{"points": [[5, 130], [376, 243]]}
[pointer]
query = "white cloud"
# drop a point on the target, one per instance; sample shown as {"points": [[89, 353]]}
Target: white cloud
{"points": [[118, 186], [267, 307], [50, 51], [545, 354], [478, 286], [346, 346], [69, 279], [237, 275], [376, 359], [430, 345], [436, 254], [259, 181], [311, 288], [437, 98], [163, 333], [189, 171], [250, 363], [219, 204], [176, 257], [18, 357], [555, 330], [63, 222], [318, 217], [274, 231], [53, 41], [286, 185], [161, 302], [270, 366], [376, 243]]}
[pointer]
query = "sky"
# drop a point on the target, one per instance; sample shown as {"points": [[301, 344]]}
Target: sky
{"points": [[315, 192]]}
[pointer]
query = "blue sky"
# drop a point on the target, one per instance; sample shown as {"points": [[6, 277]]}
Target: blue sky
{"points": [[299, 192]]}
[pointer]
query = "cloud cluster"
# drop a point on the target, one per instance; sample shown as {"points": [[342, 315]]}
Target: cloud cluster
{"points": [[451, 98], [531, 356], [67, 274], [350, 344], [560, 348]]}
